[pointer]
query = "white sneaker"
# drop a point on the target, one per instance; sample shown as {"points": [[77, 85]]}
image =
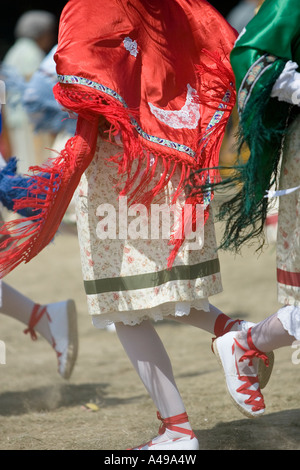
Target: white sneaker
{"points": [[184, 439], [240, 367], [224, 326], [63, 326], [264, 372], [181, 443]]}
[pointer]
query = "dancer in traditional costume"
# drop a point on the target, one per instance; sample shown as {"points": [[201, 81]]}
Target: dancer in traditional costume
{"points": [[265, 60], [152, 107], [56, 322]]}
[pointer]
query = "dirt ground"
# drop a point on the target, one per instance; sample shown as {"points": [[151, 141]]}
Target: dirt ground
{"points": [[41, 411]]}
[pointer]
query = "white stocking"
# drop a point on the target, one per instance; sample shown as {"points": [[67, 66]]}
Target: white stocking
{"points": [[270, 334], [151, 361], [200, 319], [19, 307]]}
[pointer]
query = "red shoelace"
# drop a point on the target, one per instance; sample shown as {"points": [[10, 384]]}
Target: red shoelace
{"points": [[255, 399], [171, 423], [36, 314]]}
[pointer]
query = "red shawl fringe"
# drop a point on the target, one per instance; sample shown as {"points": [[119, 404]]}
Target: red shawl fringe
{"points": [[28, 236], [217, 92]]}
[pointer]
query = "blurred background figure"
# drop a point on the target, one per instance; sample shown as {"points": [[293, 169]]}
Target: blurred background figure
{"points": [[46, 115], [44, 112], [35, 35], [242, 13]]}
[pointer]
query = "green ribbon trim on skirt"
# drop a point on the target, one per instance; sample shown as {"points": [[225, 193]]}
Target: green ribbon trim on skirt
{"points": [[144, 281]]}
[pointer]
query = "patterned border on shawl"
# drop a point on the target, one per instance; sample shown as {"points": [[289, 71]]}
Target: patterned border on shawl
{"points": [[73, 80], [257, 69]]}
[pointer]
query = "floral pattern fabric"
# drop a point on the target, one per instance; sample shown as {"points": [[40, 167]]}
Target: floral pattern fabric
{"points": [[288, 238], [127, 279]]}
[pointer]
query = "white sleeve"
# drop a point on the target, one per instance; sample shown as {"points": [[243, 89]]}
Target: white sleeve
{"points": [[287, 86]]}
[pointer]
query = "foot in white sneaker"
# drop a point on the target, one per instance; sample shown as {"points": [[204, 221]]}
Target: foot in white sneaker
{"points": [[62, 321], [264, 372], [63, 326], [171, 436], [223, 325], [240, 365]]}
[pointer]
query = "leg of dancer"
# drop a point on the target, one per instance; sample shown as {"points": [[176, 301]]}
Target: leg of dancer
{"points": [[55, 322]]}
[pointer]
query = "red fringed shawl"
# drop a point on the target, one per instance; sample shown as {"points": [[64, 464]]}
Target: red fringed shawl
{"points": [[159, 72]]}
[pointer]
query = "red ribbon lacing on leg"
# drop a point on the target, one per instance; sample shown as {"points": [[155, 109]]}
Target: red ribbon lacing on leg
{"points": [[220, 329], [222, 319], [253, 351], [255, 399], [35, 317], [171, 423]]}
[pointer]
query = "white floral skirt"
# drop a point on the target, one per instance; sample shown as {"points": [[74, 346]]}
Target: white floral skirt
{"points": [[288, 236], [125, 277]]}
